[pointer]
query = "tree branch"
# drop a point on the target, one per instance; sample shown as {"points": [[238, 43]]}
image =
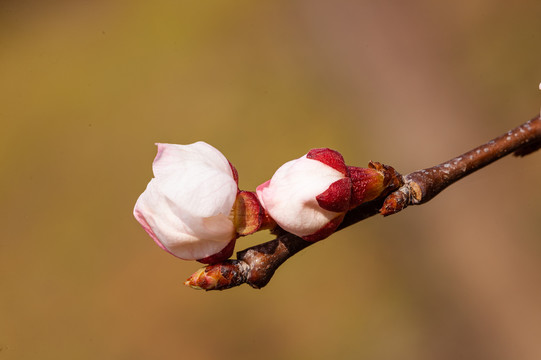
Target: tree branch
{"points": [[422, 185], [256, 265]]}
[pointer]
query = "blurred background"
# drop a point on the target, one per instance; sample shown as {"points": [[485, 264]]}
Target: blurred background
{"points": [[88, 87]]}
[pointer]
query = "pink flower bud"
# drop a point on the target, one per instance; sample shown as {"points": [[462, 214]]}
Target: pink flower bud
{"points": [[308, 196], [186, 208]]}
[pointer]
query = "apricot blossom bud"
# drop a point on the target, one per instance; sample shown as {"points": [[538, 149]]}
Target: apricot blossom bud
{"points": [[310, 196], [188, 207]]}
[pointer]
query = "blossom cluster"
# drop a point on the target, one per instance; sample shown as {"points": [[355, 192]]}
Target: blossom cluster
{"points": [[194, 209]]}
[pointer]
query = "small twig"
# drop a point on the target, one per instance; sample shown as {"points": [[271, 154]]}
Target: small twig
{"points": [[256, 265]]}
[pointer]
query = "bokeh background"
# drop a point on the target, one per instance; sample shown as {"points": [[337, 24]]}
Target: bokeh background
{"points": [[88, 87]]}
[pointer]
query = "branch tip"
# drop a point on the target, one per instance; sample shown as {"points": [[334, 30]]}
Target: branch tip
{"points": [[221, 276]]}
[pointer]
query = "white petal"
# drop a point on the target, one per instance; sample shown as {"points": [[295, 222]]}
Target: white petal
{"points": [[173, 158], [198, 191]]}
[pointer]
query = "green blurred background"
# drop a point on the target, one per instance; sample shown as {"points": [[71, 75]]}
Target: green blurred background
{"points": [[88, 87]]}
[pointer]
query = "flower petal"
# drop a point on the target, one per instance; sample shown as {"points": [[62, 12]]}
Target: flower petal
{"points": [[173, 158], [187, 237]]}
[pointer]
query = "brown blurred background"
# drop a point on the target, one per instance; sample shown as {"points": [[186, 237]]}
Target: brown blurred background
{"points": [[88, 87]]}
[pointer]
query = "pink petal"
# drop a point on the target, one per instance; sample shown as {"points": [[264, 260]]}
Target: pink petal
{"points": [[141, 219], [260, 189]]}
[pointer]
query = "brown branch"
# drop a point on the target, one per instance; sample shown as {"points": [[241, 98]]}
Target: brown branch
{"points": [[256, 265], [422, 185]]}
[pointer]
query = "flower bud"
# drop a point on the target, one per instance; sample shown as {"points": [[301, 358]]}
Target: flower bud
{"points": [[310, 196], [186, 207]]}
